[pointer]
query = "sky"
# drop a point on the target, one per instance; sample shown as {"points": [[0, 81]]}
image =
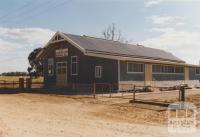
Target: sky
{"points": [[171, 25]]}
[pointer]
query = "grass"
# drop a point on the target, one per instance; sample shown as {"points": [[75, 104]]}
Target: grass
{"points": [[16, 78], [13, 82]]}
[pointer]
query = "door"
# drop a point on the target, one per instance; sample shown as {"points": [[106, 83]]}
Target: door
{"points": [[61, 74]]}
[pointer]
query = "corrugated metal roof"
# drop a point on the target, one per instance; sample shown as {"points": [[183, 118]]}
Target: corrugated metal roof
{"points": [[118, 48]]}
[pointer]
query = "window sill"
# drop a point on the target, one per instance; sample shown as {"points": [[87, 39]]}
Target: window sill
{"points": [[74, 74], [135, 72], [170, 73]]}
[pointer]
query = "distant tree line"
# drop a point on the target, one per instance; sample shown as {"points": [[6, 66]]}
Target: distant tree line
{"points": [[14, 74]]}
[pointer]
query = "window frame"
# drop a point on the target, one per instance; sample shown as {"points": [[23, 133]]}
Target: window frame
{"points": [[61, 68], [74, 74], [130, 72], [196, 71], [165, 71], [100, 70], [52, 65]]}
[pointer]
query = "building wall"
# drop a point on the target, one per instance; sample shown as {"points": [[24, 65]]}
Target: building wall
{"points": [[167, 77], [86, 70], [147, 75], [192, 74], [124, 76], [147, 78], [86, 67]]}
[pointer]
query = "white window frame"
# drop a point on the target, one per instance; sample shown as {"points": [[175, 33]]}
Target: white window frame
{"points": [[74, 74], [100, 70], [129, 72], [50, 74], [167, 72], [196, 71]]}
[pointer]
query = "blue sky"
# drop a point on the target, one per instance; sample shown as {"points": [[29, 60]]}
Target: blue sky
{"points": [[172, 25]]}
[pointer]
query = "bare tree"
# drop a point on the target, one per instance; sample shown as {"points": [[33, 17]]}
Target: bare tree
{"points": [[112, 33]]}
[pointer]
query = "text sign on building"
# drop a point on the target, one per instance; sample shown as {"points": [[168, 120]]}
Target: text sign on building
{"points": [[62, 53]]}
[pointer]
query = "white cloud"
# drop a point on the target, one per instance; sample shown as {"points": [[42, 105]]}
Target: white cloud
{"points": [[167, 20], [183, 44], [149, 3], [17, 43]]}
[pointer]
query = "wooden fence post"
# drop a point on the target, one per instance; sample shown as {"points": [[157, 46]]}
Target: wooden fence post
{"points": [[4, 84], [94, 90], [110, 91], [21, 83], [28, 83], [182, 94], [133, 93]]}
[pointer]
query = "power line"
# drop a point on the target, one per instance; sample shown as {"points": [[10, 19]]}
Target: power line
{"points": [[15, 10], [30, 4], [43, 11]]}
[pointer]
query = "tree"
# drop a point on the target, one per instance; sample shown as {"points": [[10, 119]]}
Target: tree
{"points": [[36, 67], [112, 33]]}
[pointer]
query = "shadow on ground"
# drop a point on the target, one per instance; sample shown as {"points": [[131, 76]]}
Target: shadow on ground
{"points": [[59, 91]]}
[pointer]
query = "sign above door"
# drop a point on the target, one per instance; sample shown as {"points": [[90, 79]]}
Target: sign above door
{"points": [[61, 53]]}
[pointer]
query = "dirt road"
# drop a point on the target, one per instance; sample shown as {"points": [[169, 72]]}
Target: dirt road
{"points": [[35, 115]]}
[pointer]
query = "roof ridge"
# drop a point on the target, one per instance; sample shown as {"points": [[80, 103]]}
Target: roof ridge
{"points": [[127, 45], [139, 45], [97, 38]]}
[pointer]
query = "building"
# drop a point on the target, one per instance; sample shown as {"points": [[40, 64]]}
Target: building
{"points": [[70, 60]]}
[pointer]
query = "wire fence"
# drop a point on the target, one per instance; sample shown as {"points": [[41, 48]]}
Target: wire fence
{"points": [[110, 90], [4, 84]]}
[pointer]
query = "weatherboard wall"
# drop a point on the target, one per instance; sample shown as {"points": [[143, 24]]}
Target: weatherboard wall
{"points": [[124, 76], [193, 75], [86, 66]]}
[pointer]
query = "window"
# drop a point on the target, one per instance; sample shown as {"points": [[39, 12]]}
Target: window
{"points": [[74, 65], [197, 70], [61, 68], [50, 66], [158, 69], [167, 69], [179, 69], [98, 71], [135, 68]]}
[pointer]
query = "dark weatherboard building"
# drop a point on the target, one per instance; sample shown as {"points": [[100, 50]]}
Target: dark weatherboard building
{"points": [[71, 60]]}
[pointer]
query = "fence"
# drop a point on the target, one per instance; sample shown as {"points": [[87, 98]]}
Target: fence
{"points": [[21, 84], [94, 89]]}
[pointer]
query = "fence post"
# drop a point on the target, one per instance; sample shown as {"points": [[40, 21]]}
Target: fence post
{"points": [[102, 91], [21, 83], [110, 91], [133, 93], [4, 84], [28, 83], [182, 90], [94, 90]]}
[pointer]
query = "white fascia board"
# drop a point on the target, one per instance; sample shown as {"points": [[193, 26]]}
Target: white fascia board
{"points": [[72, 42], [65, 39]]}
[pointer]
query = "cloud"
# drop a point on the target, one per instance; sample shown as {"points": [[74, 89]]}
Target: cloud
{"points": [[167, 20], [149, 3], [183, 44], [17, 43]]}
